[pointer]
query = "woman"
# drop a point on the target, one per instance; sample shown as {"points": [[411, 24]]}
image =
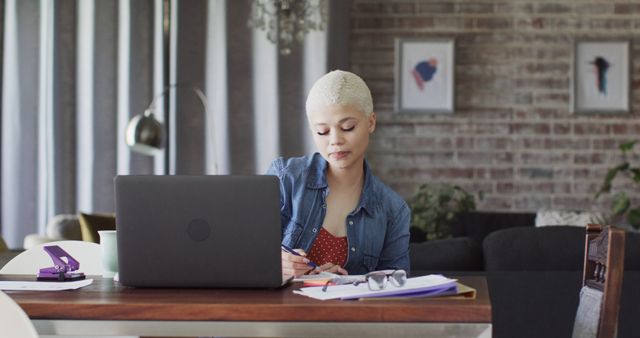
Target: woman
{"points": [[333, 210]]}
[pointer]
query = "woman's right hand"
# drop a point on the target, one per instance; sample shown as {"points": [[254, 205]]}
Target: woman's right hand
{"points": [[332, 268], [293, 265]]}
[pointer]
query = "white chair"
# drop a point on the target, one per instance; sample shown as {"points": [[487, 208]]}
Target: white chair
{"points": [[13, 321], [32, 260]]}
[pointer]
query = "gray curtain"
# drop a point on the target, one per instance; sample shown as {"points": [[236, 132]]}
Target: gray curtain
{"points": [[75, 71]]}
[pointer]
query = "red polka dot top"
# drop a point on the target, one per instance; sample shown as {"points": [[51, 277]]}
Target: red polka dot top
{"points": [[328, 249]]}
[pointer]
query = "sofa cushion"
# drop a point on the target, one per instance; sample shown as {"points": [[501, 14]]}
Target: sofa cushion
{"points": [[628, 323], [544, 303], [33, 240], [530, 248], [547, 248], [479, 224], [90, 224], [453, 254], [64, 226], [588, 314], [632, 250], [533, 303], [580, 218], [3, 245]]}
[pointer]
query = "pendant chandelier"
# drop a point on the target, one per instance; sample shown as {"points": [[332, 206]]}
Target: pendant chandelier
{"points": [[286, 20]]}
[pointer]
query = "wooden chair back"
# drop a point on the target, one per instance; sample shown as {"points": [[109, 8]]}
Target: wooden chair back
{"points": [[602, 277]]}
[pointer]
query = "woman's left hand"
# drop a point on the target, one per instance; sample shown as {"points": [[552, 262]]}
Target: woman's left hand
{"points": [[330, 267]]}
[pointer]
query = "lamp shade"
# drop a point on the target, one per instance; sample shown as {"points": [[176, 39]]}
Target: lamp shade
{"points": [[145, 134]]}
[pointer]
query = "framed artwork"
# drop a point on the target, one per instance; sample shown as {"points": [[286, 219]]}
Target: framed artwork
{"points": [[601, 77], [424, 79]]}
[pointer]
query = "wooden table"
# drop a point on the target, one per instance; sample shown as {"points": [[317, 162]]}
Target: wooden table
{"points": [[107, 308]]}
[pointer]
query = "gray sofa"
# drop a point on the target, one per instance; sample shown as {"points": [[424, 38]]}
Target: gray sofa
{"points": [[463, 252], [534, 276]]}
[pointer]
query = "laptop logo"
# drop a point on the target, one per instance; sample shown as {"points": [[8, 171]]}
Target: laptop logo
{"points": [[198, 230]]}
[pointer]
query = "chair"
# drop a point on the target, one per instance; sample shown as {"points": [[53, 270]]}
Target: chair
{"points": [[13, 321], [3, 245], [30, 261], [534, 276], [552, 248], [450, 254], [597, 314], [62, 227], [90, 224]]}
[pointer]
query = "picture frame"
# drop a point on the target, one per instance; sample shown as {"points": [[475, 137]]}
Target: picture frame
{"points": [[424, 75], [601, 77]]}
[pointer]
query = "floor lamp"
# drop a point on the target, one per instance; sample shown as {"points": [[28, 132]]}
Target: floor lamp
{"points": [[146, 135]]}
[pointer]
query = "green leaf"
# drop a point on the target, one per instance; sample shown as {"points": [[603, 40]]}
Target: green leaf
{"points": [[435, 208], [627, 146], [611, 175], [622, 166], [634, 217], [606, 184], [635, 174], [620, 204]]}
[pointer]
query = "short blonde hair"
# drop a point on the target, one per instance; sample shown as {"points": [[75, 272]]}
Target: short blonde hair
{"points": [[340, 87]]}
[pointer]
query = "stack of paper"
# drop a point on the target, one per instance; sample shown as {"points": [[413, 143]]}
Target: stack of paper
{"points": [[423, 286]]}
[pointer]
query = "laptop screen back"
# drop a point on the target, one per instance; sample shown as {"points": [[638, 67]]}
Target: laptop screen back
{"points": [[198, 231]]}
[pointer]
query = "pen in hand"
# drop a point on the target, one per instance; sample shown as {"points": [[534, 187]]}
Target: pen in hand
{"points": [[291, 251]]}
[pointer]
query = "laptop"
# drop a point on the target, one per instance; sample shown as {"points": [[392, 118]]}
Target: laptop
{"points": [[198, 231]]}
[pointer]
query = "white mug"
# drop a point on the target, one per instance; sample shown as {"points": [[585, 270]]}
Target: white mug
{"points": [[109, 246]]}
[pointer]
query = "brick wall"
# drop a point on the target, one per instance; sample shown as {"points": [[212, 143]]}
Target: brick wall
{"points": [[512, 135]]}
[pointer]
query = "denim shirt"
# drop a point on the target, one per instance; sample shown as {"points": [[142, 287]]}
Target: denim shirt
{"points": [[377, 230]]}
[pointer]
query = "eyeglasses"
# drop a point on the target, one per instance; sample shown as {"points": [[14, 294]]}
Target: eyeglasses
{"points": [[376, 280]]}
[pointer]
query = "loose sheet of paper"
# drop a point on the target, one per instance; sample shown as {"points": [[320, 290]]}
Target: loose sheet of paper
{"points": [[43, 286]]}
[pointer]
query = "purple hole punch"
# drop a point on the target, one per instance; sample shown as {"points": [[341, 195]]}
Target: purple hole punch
{"points": [[61, 271]]}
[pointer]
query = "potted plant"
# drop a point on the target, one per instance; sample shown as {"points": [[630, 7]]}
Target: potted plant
{"points": [[434, 209], [621, 203]]}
